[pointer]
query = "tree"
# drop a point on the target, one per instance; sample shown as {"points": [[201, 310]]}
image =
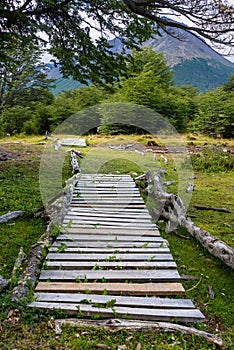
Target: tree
{"points": [[148, 84], [147, 60], [67, 26], [70, 102], [22, 78], [215, 114], [229, 85]]}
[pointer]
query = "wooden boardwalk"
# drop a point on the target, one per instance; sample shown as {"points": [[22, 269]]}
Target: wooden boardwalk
{"points": [[110, 260]]}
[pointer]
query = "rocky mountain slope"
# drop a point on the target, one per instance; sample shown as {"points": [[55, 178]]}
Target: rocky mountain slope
{"points": [[192, 60]]}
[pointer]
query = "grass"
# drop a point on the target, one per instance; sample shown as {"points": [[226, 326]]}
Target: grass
{"points": [[19, 189], [88, 339]]}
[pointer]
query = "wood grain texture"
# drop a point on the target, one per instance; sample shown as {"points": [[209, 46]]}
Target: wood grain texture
{"points": [[140, 276], [113, 288]]}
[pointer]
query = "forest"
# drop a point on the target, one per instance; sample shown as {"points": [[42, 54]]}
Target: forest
{"points": [[29, 107]]}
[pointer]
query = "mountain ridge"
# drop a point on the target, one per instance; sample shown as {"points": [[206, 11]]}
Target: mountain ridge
{"points": [[192, 60]]}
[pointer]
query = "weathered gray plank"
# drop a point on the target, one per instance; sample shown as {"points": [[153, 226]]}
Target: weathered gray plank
{"points": [[89, 265], [103, 219], [169, 275], [110, 250], [142, 249], [110, 210], [113, 206], [88, 184], [182, 315], [153, 232], [79, 223], [93, 213], [166, 288], [107, 216], [140, 302], [104, 244], [100, 201], [150, 247], [109, 257], [109, 238], [106, 193], [90, 192]]}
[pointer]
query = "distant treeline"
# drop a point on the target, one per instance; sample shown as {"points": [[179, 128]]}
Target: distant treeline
{"points": [[28, 106]]}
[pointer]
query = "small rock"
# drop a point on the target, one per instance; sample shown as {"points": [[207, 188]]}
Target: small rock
{"points": [[3, 283]]}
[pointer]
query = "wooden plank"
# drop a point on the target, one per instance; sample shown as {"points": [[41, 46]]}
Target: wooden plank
{"points": [[91, 191], [79, 223], [107, 216], [112, 226], [108, 238], [109, 257], [137, 233], [190, 315], [150, 247], [110, 250], [114, 205], [117, 216], [114, 192], [76, 248], [93, 213], [153, 232], [114, 201], [141, 276], [89, 265], [149, 289], [88, 184], [110, 210], [140, 302], [107, 177], [103, 219], [104, 244]]}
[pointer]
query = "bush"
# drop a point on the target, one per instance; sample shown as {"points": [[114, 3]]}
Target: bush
{"points": [[213, 159]]}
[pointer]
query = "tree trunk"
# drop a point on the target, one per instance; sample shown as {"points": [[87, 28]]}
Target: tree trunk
{"points": [[174, 212], [135, 326]]}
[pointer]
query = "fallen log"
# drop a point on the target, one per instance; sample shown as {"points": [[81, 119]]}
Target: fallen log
{"points": [[35, 213], [18, 262], [202, 207], [10, 216], [135, 326], [74, 161], [173, 212], [56, 210], [31, 266]]}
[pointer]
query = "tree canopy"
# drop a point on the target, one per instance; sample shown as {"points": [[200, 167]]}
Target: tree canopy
{"points": [[66, 28]]}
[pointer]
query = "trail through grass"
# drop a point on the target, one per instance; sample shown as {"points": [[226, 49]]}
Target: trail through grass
{"points": [[19, 180]]}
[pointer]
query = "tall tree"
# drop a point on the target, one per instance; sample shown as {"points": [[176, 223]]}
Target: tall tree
{"points": [[22, 77], [67, 27], [215, 113]]}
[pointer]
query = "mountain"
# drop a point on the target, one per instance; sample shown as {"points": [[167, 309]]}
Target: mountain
{"points": [[192, 60], [60, 84]]}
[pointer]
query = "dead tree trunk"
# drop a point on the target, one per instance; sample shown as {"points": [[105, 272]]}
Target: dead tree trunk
{"points": [[10, 216], [174, 212], [31, 266]]}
